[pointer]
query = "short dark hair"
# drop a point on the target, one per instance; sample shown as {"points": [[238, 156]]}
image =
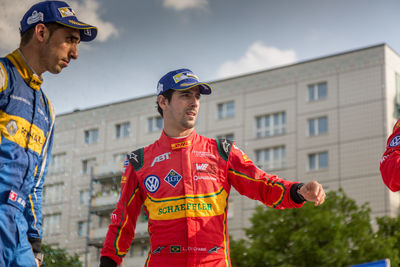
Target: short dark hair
{"points": [[27, 35], [168, 95]]}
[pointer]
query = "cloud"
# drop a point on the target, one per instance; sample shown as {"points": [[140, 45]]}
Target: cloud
{"points": [[11, 14], [257, 57], [180, 5]]}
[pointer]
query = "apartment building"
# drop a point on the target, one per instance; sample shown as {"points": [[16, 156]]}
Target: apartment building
{"points": [[325, 119]]}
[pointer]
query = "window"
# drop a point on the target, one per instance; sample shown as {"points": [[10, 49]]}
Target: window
{"points": [[271, 124], [84, 197], [57, 163], [155, 124], [91, 136], [122, 130], [51, 224], [229, 136], [317, 91], [318, 161], [87, 164], [317, 126], [53, 193], [271, 158], [226, 110], [82, 228]]}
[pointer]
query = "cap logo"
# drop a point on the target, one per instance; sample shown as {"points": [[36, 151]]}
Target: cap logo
{"points": [[87, 32], [66, 12], [184, 75], [159, 88], [35, 17]]}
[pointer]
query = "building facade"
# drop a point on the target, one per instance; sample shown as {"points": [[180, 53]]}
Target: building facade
{"points": [[325, 119]]}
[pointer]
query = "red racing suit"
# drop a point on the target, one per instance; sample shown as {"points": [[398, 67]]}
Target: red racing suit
{"points": [[184, 185], [390, 162]]}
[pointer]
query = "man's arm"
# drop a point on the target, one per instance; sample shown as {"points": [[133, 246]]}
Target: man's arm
{"points": [[121, 230], [390, 162], [275, 192], [33, 210]]}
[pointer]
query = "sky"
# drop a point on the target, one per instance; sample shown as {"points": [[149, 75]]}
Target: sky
{"points": [[141, 40]]}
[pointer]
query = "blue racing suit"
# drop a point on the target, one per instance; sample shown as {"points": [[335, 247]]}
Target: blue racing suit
{"points": [[26, 137]]}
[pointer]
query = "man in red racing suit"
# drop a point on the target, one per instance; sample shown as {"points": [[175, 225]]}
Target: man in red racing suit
{"points": [[184, 185], [390, 162]]}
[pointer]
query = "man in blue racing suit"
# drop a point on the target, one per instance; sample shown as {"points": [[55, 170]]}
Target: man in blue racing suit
{"points": [[50, 34]]}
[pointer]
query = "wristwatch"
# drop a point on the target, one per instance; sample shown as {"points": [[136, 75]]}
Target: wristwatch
{"points": [[39, 257]]}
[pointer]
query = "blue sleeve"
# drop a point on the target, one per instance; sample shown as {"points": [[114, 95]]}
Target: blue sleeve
{"points": [[33, 210]]}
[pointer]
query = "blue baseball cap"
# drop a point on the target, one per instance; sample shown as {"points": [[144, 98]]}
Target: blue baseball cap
{"points": [[56, 11], [182, 79]]}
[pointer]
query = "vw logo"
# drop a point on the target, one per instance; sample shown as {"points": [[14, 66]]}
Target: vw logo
{"points": [[395, 141], [152, 183]]}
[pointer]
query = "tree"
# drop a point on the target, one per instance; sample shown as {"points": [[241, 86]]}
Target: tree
{"points": [[338, 233], [57, 257]]}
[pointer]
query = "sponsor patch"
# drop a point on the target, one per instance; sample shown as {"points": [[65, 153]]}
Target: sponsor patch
{"points": [[175, 249], [66, 12], [133, 156], [152, 183], [124, 179], [158, 250], [203, 154], [173, 178], [12, 127], [206, 168], [160, 158], [395, 141], [396, 126], [35, 17], [214, 249], [183, 76], [244, 156], [181, 144], [199, 177], [3, 78]]}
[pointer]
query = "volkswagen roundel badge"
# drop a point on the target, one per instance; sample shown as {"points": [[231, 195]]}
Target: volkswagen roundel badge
{"points": [[395, 141], [152, 183]]}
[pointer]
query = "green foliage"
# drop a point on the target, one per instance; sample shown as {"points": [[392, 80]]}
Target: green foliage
{"points": [[338, 233], [57, 257]]}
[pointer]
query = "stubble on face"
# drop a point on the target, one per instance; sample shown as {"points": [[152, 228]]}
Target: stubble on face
{"points": [[181, 113], [56, 50]]}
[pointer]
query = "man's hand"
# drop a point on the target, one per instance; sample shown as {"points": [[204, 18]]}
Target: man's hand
{"points": [[314, 192], [37, 262]]}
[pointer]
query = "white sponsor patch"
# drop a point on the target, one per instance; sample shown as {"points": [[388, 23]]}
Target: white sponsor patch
{"points": [[35, 17], [3, 78], [160, 158]]}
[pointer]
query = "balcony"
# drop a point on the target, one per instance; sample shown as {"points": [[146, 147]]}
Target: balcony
{"points": [[104, 204], [98, 235], [110, 170]]}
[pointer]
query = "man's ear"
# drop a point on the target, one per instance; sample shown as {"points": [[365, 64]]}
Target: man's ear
{"points": [[162, 101], [41, 32]]}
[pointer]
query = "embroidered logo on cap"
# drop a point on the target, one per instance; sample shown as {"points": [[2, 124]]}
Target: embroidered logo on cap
{"points": [[173, 178], [66, 12], [35, 17]]}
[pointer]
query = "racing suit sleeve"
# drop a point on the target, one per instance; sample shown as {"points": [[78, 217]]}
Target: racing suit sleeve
{"points": [[121, 230], [256, 184], [390, 162], [33, 210]]}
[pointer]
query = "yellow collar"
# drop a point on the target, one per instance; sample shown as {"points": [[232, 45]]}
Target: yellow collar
{"points": [[31, 78]]}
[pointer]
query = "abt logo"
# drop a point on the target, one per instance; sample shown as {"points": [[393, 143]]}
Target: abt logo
{"points": [[160, 158], [201, 166]]}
